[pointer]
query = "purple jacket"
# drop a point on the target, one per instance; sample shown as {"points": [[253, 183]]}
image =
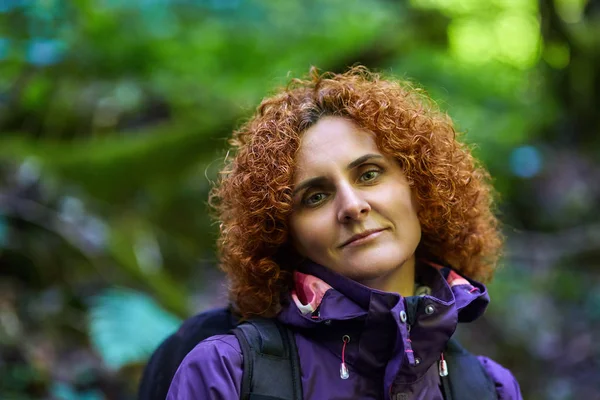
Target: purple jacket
{"points": [[390, 355]]}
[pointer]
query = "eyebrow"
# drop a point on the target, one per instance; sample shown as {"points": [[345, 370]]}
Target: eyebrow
{"points": [[320, 180]]}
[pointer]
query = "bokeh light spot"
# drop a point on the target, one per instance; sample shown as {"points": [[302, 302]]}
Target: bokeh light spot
{"points": [[557, 55], [526, 161], [72, 209], [44, 52], [29, 172], [470, 40], [518, 38], [128, 95]]}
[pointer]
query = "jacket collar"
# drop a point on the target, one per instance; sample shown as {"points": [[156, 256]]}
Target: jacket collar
{"points": [[388, 332]]}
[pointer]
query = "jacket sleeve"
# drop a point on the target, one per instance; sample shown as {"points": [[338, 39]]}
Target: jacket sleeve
{"points": [[212, 370], [507, 386]]}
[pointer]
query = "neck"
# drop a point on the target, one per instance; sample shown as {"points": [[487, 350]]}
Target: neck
{"points": [[401, 280]]}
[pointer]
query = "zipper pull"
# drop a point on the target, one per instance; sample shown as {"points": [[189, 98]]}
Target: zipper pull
{"points": [[443, 366], [344, 374]]}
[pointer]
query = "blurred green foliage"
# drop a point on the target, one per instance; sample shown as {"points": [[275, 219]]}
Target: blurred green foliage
{"points": [[114, 117]]}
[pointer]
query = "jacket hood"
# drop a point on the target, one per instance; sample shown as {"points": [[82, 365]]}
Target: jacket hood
{"points": [[400, 337]]}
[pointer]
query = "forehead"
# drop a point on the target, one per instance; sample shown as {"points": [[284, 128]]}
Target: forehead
{"points": [[332, 141]]}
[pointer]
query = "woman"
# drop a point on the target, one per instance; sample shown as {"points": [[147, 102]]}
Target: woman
{"points": [[346, 200]]}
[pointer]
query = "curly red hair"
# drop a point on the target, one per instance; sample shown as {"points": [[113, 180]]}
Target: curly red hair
{"points": [[253, 198]]}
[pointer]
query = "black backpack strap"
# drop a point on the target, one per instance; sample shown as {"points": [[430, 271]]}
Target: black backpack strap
{"points": [[467, 379], [271, 364]]}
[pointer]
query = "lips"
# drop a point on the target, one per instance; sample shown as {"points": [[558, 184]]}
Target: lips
{"points": [[360, 236]]}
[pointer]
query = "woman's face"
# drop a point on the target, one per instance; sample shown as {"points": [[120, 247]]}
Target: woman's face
{"points": [[353, 209]]}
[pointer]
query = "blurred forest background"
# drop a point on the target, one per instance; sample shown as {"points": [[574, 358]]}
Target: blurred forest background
{"points": [[113, 120]]}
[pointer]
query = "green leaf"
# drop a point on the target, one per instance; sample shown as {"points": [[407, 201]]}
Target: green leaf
{"points": [[126, 326]]}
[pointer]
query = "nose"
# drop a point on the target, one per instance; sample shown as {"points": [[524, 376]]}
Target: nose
{"points": [[352, 205]]}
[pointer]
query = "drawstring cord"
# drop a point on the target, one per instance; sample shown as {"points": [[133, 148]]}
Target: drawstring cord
{"points": [[443, 367], [344, 374]]}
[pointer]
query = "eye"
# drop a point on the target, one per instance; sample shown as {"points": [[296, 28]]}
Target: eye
{"points": [[370, 175], [314, 199]]}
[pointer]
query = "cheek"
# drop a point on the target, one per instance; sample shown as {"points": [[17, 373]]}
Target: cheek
{"points": [[405, 211], [298, 235], [308, 233]]}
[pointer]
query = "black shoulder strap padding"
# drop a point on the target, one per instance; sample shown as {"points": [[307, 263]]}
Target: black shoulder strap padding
{"points": [[271, 363], [165, 360], [467, 379]]}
